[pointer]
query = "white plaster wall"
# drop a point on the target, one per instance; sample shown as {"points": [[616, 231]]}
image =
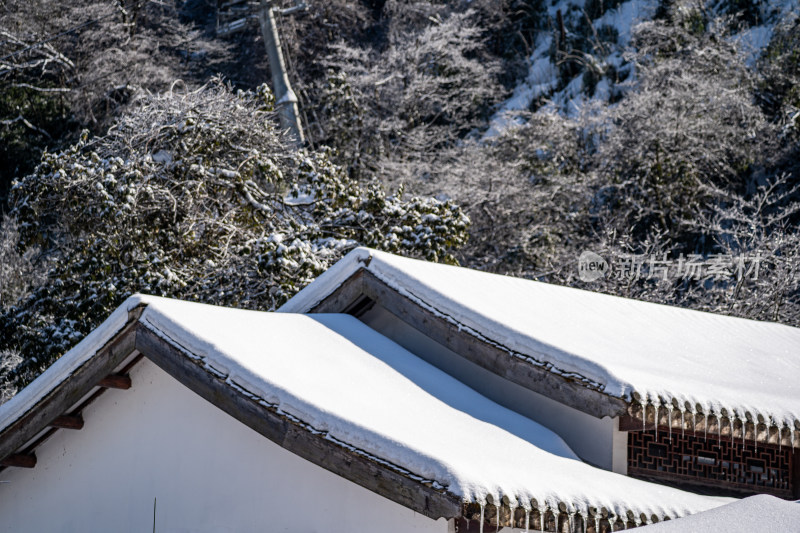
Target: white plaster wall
{"points": [[208, 472], [619, 454], [594, 440]]}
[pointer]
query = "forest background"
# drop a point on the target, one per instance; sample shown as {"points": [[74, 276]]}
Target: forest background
{"points": [[140, 152]]}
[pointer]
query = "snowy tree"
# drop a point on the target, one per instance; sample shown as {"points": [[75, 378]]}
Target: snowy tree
{"points": [[194, 195], [68, 64], [8, 362], [763, 227], [751, 268], [690, 125], [20, 272], [389, 109], [687, 163]]}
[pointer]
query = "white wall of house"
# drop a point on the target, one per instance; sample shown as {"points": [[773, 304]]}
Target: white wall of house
{"points": [[596, 441], [619, 449], [208, 473]]}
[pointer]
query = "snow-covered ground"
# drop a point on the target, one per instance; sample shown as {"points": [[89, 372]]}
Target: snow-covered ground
{"points": [[754, 40], [542, 80]]}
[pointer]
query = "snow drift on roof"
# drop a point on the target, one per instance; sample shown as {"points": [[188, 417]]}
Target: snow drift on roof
{"points": [[338, 378], [665, 355], [756, 513], [362, 390]]}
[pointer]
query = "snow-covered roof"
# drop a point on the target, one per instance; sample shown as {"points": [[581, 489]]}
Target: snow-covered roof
{"points": [[756, 513], [334, 377], [641, 352]]}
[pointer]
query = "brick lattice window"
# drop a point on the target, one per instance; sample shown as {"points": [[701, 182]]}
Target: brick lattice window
{"points": [[694, 459]]}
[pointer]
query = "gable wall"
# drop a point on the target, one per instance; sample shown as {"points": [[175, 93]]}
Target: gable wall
{"points": [[597, 441], [208, 472]]}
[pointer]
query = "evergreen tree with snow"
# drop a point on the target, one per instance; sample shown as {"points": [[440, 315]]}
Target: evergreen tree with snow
{"points": [[195, 195]]}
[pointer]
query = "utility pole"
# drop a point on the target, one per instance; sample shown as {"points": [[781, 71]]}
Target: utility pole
{"points": [[285, 99]]}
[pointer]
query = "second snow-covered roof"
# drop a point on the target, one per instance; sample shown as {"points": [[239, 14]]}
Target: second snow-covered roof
{"points": [[626, 348], [362, 390], [333, 377]]}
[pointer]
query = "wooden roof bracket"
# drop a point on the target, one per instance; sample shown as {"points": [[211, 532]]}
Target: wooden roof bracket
{"points": [[51, 410], [98, 371]]}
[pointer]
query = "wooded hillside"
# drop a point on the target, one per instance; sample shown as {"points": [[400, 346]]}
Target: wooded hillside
{"points": [[140, 151]]}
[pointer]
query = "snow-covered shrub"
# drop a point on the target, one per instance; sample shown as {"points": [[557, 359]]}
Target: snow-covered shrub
{"points": [[68, 64], [194, 195], [762, 225], [8, 362], [387, 108], [779, 90], [691, 124], [20, 271]]}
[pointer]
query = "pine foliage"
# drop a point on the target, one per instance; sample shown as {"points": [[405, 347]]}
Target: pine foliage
{"points": [[194, 195]]}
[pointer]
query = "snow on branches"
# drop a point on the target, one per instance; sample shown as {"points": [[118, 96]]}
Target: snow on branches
{"points": [[194, 195]]}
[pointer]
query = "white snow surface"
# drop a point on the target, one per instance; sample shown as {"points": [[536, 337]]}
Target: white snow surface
{"points": [[542, 78], [756, 513], [338, 378], [363, 391], [621, 345], [753, 41]]}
